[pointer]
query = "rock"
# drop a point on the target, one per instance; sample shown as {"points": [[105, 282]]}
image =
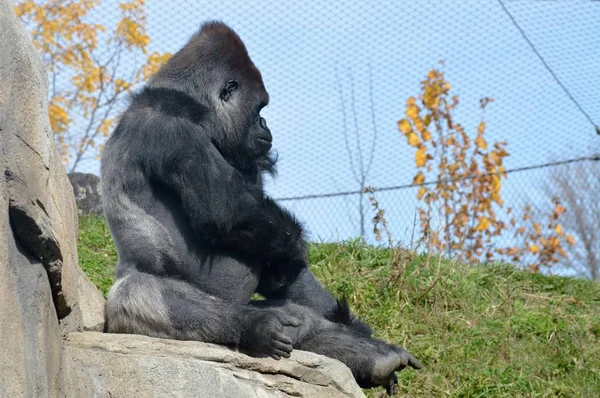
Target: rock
{"points": [[40, 282], [119, 365], [86, 188]]}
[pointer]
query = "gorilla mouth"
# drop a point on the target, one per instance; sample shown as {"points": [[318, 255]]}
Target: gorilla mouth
{"points": [[265, 143]]}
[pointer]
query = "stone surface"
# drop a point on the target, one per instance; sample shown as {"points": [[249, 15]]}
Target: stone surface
{"points": [[86, 188], [40, 282], [110, 365], [41, 203]]}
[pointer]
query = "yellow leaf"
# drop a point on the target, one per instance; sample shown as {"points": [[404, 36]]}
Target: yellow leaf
{"points": [[413, 139], [537, 228], [420, 157], [412, 112], [484, 224], [534, 248], [559, 229], [570, 239], [419, 178], [480, 143], [421, 192], [404, 126], [426, 135], [481, 128]]}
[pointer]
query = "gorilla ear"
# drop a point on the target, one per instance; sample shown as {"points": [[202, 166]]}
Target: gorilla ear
{"points": [[229, 88]]}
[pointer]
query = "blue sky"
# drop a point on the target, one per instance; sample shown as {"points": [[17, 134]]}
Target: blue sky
{"points": [[299, 46]]}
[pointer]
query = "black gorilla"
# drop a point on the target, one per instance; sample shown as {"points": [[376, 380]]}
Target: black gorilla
{"points": [[197, 236]]}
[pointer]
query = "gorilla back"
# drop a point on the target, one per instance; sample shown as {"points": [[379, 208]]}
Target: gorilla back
{"points": [[195, 233]]}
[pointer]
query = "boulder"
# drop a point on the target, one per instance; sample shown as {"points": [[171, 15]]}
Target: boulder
{"points": [[86, 188], [127, 366], [40, 282]]}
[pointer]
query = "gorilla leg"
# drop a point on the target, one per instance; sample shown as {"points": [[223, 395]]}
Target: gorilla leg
{"points": [[372, 362], [141, 303]]}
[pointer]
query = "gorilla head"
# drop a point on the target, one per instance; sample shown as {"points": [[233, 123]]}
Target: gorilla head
{"points": [[214, 68]]}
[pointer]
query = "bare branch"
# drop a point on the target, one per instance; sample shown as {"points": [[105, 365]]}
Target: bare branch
{"points": [[344, 117]]}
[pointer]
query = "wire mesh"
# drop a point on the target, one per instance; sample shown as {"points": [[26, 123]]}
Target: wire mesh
{"points": [[339, 73]]}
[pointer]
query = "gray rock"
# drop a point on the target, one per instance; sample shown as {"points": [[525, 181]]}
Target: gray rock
{"points": [[110, 365], [40, 282], [86, 188]]}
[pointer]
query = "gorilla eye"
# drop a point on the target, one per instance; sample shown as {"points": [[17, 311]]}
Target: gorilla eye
{"points": [[229, 88]]}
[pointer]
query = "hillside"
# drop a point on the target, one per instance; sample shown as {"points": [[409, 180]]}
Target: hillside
{"points": [[488, 331]]}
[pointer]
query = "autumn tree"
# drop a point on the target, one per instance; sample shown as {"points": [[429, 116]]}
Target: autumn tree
{"points": [[459, 178], [87, 71]]}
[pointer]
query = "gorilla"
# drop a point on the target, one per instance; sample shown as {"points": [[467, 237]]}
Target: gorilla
{"points": [[197, 236]]}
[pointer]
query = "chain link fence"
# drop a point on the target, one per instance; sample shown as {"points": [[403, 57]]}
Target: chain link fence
{"points": [[339, 73]]}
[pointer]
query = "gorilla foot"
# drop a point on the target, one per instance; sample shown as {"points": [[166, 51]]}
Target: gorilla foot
{"points": [[386, 366]]}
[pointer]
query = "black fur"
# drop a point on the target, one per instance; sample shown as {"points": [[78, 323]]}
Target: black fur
{"points": [[196, 234]]}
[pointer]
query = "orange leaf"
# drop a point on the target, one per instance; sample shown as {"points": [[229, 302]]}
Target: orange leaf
{"points": [[534, 248], [412, 112], [481, 128], [480, 142], [421, 192], [404, 126], [426, 135], [420, 158], [537, 228], [484, 224], [419, 178], [413, 139], [570, 240], [559, 230]]}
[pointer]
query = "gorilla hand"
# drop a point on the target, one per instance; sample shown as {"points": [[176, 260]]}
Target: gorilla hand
{"points": [[264, 333]]}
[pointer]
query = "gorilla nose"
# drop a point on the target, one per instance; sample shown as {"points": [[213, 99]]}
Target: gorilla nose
{"points": [[263, 123]]}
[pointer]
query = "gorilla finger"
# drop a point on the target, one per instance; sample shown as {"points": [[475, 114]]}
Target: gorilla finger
{"points": [[414, 362], [275, 356], [278, 345], [282, 338], [282, 354], [290, 321], [392, 389], [408, 359]]}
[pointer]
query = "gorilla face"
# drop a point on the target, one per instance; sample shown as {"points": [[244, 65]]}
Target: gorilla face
{"points": [[258, 137]]}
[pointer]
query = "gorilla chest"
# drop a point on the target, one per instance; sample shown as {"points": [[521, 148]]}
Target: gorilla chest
{"points": [[227, 278]]}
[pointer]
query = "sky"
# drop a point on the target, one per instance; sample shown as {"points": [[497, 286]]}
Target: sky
{"points": [[309, 51]]}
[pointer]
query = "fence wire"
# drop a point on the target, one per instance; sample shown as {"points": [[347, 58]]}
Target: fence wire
{"points": [[339, 73]]}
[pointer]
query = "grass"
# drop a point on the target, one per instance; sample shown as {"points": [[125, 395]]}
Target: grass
{"points": [[487, 331]]}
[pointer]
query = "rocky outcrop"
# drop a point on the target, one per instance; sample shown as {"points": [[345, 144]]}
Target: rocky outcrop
{"points": [[86, 188], [126, 366], [40, 282], [50, 309]]}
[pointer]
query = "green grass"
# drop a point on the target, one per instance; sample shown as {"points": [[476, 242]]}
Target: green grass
{"points": [[487, 331]]}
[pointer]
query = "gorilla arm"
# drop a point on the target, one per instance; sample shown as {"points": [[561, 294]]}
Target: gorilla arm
{"points": [[224, 208], [306, 290]]}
